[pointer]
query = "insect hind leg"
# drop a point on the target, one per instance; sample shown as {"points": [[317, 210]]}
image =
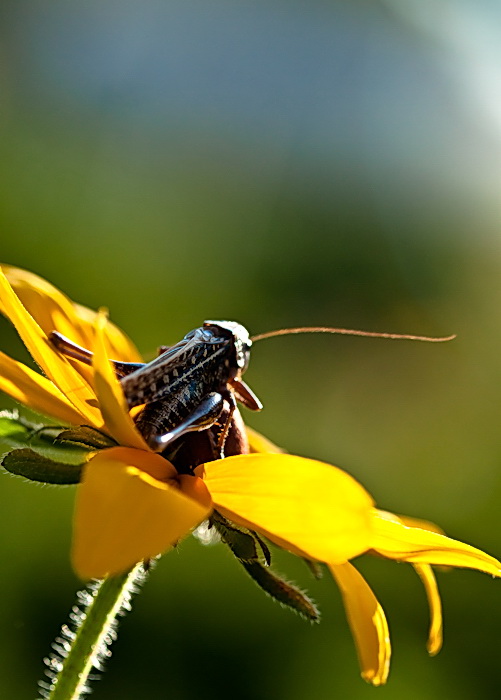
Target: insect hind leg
{"points": [[70, 349], [230, 399], [202, 417]]}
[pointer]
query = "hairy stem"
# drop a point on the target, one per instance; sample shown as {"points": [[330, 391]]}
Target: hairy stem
{"points": [[84, 645]]}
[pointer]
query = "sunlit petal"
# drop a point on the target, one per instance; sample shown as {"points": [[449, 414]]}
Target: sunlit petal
{"points": [[367, 622], [258, 443], [121, 346], [34, 390], [124, 515], [415, 522], [435, 633], [109, 392], [54, 366], [53, 310], [50, 308], [308, 507], [394, 540]]}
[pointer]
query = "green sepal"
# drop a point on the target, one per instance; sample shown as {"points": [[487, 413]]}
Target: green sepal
{"points": [[254, 555], [16, 431], [281, 590], [85, 436], [57, 442], [314, 567], [35, 467], [244, 544], [264, 548]]}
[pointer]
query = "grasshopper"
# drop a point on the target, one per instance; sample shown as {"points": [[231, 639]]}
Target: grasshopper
{"points": [[194, 385], [188, 387]]}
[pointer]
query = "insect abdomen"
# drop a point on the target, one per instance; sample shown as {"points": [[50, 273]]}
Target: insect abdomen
{"points": [[175, 399]]}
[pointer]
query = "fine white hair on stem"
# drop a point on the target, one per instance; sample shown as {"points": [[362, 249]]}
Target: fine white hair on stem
{"points": [[93, 655]]}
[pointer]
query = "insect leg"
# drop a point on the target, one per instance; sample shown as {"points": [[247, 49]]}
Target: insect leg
{"points": [[230, 398], [245, 394], [202, 417], [70, 349]]}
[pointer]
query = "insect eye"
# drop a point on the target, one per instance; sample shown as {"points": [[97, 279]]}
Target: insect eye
{"points": [[207, 335]]}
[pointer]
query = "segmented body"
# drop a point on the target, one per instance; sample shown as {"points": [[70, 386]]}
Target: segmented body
{"points": [[191, 386], [177, 380]]}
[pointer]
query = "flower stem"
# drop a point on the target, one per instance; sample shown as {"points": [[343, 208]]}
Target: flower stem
{"points": [[94, 621]]}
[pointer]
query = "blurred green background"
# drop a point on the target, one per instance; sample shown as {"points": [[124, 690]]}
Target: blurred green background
{"points": [[276, 163]]}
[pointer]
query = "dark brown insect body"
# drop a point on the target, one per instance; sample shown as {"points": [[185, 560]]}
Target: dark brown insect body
{"points": [[189, 387]]}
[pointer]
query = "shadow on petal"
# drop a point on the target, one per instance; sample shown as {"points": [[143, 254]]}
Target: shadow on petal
{"points": [[124, 515]]}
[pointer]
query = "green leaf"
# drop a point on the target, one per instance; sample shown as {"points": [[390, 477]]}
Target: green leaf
{"points": [[13, 429], [35, 467], [86, 436], [314, 567], [254, 555], [242, 542], [16, 431], [285, 592], [264, 548]]}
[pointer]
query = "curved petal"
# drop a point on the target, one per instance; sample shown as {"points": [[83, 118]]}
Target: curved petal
{"points": [[435, 633], [310, 508], [53, 310], [55, 367], [258, 443], [124, 515], [416, 522], [121, 346], [394, 540], [35, 391], [367, 622], [110, 395]]}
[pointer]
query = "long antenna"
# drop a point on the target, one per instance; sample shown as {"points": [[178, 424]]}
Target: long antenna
{"points": [[347, 331]]}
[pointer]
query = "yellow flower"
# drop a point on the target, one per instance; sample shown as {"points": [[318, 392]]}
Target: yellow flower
{"points": [[132, 504]]}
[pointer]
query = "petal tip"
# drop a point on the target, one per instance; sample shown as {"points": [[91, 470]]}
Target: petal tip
{"points": [[434, 649]]}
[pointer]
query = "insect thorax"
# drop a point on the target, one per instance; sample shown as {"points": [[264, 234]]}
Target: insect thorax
{"points": [[177, 381]]}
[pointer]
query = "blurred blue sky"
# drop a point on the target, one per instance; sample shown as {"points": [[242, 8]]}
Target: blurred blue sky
{"points": [[406, 92]]}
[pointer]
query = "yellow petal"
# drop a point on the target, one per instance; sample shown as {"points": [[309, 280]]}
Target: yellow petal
{"points": [[435, 634], [307, 507], [36, 392], [394, 540], [54, 366], [414, 522], [258, 443], [367, 622], [124, 515], [121, 346], [53, 310], [110, 395]]}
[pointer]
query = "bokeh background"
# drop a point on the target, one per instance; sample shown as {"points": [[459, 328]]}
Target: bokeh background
{"points": [[277, 163]]}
